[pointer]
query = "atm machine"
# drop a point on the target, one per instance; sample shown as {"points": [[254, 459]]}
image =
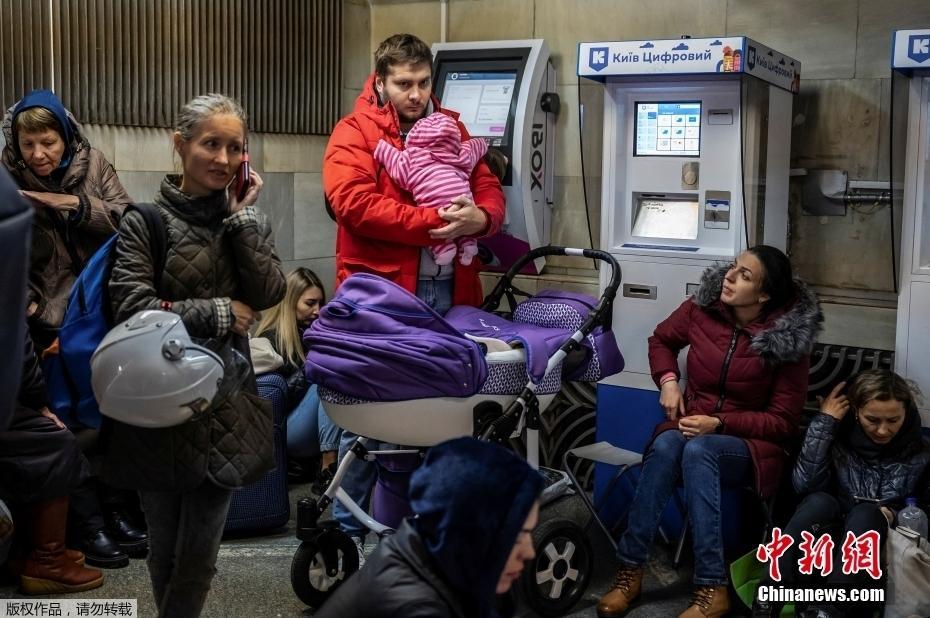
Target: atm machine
{"points": [[911, 63], [695, 170], [504, 92]]}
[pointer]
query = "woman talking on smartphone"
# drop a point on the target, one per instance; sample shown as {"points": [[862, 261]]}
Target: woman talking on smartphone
{"points": [[221, 269]]}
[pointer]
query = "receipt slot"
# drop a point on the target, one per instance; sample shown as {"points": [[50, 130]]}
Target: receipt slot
{"points": [[504, 92]]}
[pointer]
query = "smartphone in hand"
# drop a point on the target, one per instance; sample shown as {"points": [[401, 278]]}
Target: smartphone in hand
{"points": [[243, 179]]}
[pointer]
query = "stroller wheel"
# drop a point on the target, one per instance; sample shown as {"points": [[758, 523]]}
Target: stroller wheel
{"points": [[554, 581], [321, 565]]}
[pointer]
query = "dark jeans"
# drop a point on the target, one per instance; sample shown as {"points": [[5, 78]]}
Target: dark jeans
{"points": [[704, 464], [185, 529], [821, 513], [358, 482], [359, 479]]}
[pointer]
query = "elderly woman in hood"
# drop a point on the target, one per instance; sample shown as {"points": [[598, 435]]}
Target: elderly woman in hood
{"points": [[750, 329], [476, 505], [76, 195]]}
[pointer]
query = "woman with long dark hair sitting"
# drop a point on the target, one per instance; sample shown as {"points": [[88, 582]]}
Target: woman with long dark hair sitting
{"points": [[750, 329]]}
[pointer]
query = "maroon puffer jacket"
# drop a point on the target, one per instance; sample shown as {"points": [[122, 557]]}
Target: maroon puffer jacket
{"points": [[754, 378]]}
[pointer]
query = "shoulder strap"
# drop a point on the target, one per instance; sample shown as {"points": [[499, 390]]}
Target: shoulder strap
{"points": [[64, 230], [158, 235]]}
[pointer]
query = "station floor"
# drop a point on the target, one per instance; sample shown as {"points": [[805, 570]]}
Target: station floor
{"points": [[253, 578]]}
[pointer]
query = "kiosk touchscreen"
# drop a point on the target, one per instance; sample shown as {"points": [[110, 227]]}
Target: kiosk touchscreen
{"points": [[911, 81], [483, 101], [667, 129], [502, 92], [695, 170]]}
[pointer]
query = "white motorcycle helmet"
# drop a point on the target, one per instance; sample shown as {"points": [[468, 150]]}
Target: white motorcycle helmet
{"points": [[148, 373]]}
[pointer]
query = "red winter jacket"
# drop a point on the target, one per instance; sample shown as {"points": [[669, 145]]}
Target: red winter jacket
{"points": [[754, 378], [380, 228]]}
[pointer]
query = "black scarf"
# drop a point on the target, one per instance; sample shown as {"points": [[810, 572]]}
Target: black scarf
{"points": [[901, 444]]}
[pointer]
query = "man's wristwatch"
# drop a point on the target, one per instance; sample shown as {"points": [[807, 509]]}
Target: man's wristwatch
{"points": [[719, 427]]}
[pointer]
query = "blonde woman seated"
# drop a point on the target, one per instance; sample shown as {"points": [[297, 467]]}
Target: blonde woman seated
{"points": [[309, 429]]}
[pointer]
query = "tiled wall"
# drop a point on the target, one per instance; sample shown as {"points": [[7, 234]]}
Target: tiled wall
{"points": [[290, 165], [292, 195], [841, 114]]}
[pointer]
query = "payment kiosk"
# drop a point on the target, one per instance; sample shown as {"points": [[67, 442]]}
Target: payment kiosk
{"points": [[504, 92], [911, 62], [695, 170]]}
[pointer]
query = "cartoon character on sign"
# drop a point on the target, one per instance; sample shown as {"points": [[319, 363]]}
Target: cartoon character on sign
{"points": [[727, 59]]}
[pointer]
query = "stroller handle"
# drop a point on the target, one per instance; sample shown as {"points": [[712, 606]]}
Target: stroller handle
{"points": [[607, 298]]}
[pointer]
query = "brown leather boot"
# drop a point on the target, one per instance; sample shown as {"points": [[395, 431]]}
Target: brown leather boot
{"points": [[48, 568], [708, 602], [626, 588], [15, 564]]}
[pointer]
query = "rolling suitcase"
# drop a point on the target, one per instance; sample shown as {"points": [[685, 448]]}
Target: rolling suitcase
{"points": [[264, 504]]}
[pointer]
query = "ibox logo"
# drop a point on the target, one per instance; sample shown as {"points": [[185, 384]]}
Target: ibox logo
{"points": [[597, 58], [918, 47]]}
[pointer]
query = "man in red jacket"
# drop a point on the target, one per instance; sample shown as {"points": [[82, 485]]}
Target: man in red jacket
{"points": [[381, 230]]}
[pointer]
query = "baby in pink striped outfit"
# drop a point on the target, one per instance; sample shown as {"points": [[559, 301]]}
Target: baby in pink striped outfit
{"points": [[435, 167]]}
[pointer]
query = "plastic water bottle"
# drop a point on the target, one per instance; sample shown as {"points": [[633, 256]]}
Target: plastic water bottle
{"points": [[913, 517]]}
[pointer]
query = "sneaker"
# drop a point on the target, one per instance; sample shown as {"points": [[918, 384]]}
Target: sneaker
{"points": [[360, 546]]}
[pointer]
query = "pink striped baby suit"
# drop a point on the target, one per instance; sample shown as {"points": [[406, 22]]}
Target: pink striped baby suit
{"points": [[435, 167]]}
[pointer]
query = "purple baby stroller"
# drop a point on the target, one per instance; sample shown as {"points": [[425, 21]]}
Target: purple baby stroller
{"points": [[390, 368]]}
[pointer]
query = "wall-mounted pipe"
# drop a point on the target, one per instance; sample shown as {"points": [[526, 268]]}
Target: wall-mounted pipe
{"points": [[443, 20], [827, 192], [867, 197]]}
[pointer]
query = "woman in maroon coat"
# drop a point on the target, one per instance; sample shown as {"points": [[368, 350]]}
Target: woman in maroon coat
{"points": [[751, 327]]}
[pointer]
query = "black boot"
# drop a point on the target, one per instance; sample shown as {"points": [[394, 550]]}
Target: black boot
{"points": [[130, 539], [101, 550]]}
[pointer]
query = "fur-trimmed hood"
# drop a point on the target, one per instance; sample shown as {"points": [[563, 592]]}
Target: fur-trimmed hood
{"points": [[782, 335]]}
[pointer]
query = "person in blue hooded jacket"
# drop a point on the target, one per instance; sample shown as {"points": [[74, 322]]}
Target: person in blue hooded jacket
{"points": [[475, 506], [75, 193], [77, 200]]}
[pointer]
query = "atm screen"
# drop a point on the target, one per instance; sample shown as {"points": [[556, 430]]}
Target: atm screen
{"points": [[482, 100], [668, 129], [659, 218]]}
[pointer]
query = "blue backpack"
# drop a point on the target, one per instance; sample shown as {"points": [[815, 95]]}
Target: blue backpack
{"points": [[88, 318]]}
